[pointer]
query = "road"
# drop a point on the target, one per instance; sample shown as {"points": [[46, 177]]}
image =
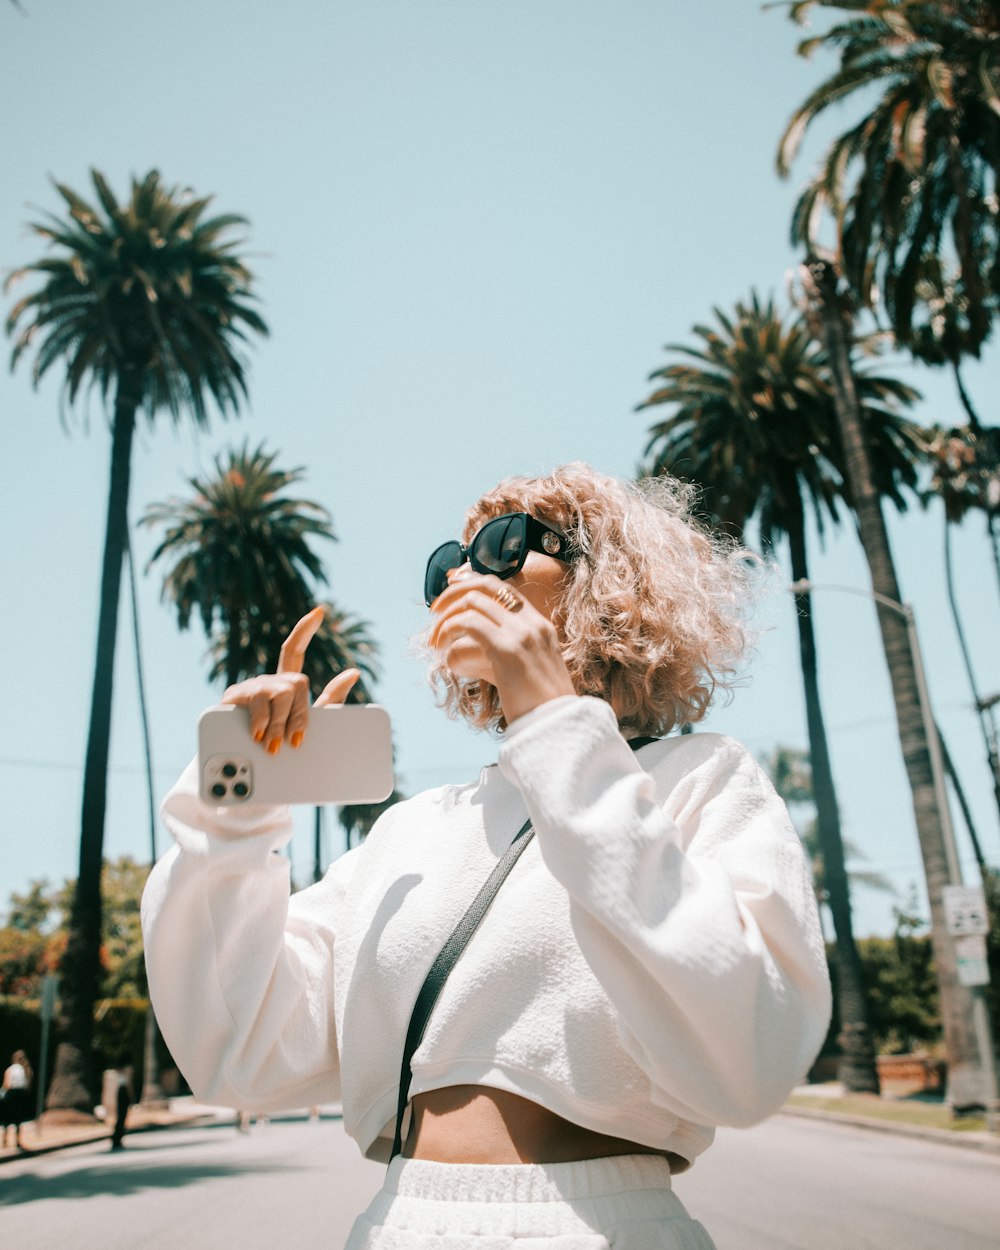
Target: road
{"points": [[793, 1184], [289, 1185], [787, 1185]]}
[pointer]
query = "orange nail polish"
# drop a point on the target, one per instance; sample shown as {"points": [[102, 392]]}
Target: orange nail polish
{"points": [[259, 736], [274, 746], [296, 739]]}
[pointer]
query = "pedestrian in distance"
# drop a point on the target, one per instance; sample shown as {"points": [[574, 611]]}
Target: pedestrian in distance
{"points": [[653, 965], [245, 1120], [123, 1100], [15, 1105]]}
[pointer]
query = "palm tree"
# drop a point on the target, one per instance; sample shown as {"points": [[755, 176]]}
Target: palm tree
{"points": [[242, 560], [753, 424], [148, 301], [831, 308], [912, 186]]}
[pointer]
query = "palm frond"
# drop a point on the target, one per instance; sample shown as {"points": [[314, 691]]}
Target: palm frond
{"points": [[150, 288], [917, 175], [750, 418]]}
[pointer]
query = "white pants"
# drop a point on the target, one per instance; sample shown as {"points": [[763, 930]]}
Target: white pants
{"points": [[619, 1203]]}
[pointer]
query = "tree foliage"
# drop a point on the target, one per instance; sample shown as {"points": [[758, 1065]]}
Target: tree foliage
{"points": [[965, 469], [912, 186], [902, 989], [151, 287], [240, 556], [752, 421], [34, 936]]}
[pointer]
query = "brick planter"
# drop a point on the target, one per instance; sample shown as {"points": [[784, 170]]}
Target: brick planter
{"points": [[918, 1070]]}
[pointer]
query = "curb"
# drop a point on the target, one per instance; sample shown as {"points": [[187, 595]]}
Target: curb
{"points": [[967, 1141]]}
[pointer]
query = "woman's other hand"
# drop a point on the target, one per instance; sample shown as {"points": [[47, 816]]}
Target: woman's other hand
{"points": [[518, 651], [278, 703]]}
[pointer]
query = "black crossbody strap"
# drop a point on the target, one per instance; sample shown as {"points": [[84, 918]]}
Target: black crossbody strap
{"points": [[443, 964], [448, 957]]}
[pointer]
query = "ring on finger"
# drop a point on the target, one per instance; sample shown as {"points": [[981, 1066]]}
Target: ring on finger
{"points": [[508, 600]]}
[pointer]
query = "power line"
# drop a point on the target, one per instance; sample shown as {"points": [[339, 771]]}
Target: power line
{"points": [[60, 766]]}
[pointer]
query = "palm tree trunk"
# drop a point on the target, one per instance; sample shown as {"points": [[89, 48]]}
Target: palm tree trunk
{"points": [[966, 1077], [858, 1070], [74, 1079], [233, 673]]}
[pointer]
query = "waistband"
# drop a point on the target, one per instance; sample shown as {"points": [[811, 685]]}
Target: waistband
{"points": [[526, 1182]]}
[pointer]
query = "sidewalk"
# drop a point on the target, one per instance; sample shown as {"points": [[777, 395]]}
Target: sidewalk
{"points": [[888, 1114], [815, 1102], [37, 1140]]}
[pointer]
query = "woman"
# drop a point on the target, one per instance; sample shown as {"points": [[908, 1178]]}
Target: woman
{"points": [[16, 1105], [652, 968]]}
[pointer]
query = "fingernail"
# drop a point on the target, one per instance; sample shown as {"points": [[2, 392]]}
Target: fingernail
{"points": [[259, 736], [274, 746], [296, 739]]}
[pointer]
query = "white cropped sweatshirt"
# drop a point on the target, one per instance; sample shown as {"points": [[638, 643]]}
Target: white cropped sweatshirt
{"points": [[652, 967]]}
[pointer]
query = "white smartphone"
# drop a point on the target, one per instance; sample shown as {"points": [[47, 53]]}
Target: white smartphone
{"points": [[346, 757]]}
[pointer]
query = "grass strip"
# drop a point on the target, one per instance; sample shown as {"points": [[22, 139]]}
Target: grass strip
{"points": [[900, 1111]]}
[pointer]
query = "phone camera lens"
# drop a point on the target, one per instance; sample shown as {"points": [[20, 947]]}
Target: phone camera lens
{"points": [[219, 790], [241, 789], [229, 770]]}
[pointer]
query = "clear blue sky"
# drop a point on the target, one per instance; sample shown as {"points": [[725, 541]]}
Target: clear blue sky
{"points": [[474, 227]]}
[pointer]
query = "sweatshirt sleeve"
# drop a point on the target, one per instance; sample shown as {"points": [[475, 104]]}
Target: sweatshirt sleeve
{"points": [[690, 899], [240, 974]]}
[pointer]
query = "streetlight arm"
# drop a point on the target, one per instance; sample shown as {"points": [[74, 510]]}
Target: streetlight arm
{"points": [[804, 585]]}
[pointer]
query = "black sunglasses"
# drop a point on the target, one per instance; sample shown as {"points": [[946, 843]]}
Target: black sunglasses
{"points": [[500, 548]]}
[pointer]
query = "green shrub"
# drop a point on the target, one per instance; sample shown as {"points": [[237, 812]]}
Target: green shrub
{"points": [[119, 1036]]}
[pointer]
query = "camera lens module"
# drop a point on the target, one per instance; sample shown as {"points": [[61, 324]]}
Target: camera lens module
{"points": [[229, 770], [241, 789], [219, 790]]}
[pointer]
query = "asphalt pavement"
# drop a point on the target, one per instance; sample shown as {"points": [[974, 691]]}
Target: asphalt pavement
{"points": [[788, 1184]]}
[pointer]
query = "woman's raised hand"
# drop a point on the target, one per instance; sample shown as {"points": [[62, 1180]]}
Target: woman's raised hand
{"points": [[278, 703], [489, 629]]}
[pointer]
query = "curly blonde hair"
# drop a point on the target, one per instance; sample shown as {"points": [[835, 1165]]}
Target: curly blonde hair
{"points": [[651, 613]]}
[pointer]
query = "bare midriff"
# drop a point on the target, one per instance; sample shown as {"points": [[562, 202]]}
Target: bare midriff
{"points": [[476, 1124]]}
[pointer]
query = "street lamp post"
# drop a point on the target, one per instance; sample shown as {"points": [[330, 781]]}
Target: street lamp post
{"points": [[152, 1091], [980, 1012]]}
